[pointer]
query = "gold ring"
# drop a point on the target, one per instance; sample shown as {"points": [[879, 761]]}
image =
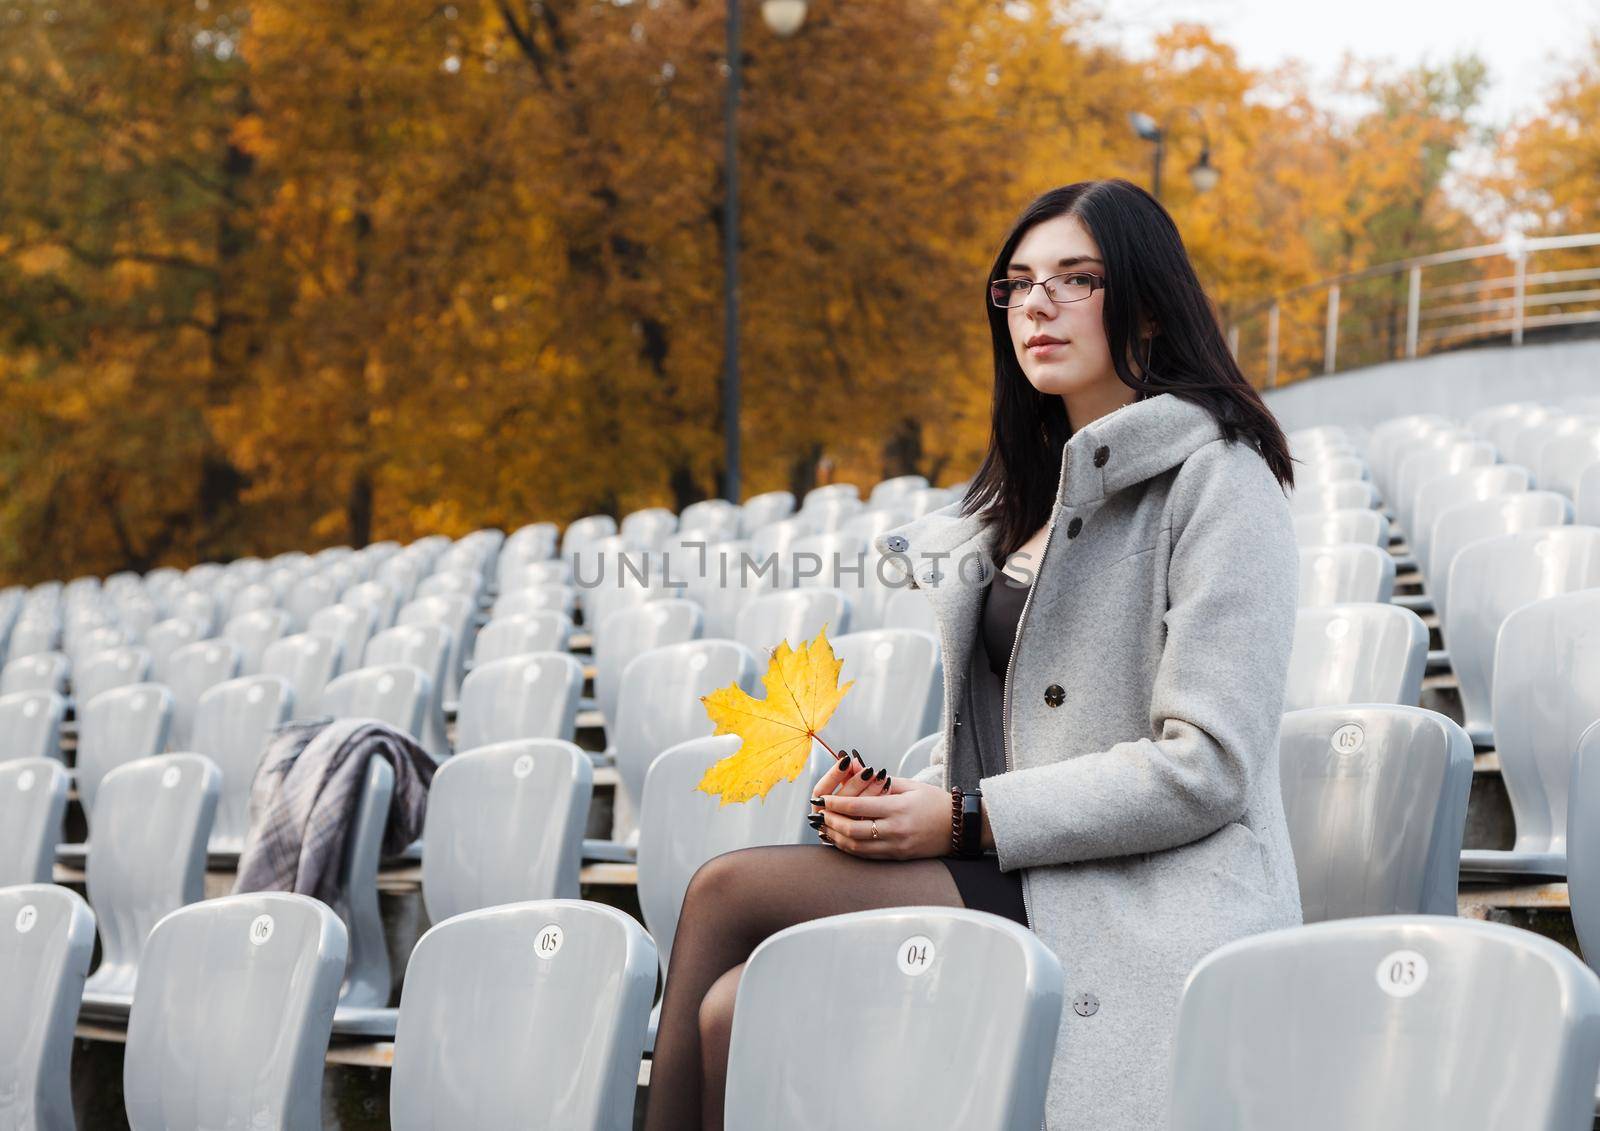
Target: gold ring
{"points": [[874, 830]]}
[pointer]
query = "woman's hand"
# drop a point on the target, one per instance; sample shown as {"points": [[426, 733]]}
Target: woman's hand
{"points": [[913, 817]]}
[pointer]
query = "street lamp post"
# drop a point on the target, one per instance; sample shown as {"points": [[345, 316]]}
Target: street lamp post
{"points": [[1203, 175], [784, 18]]}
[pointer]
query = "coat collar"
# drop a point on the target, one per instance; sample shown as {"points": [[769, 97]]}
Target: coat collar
{"points": [[1140, 440]]}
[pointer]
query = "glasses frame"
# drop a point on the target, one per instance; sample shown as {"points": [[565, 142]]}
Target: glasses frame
{"points": [[1099, 284]]}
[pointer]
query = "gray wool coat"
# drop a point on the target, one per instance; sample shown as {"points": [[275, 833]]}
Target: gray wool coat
{"points": [[1141, 798]]}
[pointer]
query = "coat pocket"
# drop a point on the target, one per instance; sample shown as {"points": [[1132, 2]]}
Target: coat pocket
{"points": [[1233, 852]]}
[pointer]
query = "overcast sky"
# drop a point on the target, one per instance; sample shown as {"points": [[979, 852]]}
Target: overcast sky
{"points": [[1525, 43], [1521, 40]]}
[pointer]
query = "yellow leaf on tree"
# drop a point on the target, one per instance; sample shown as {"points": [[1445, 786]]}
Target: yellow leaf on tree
{"points": [[802, 693]]}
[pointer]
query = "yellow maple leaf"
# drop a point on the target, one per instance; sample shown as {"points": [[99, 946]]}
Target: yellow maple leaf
{"points": [[802, 693]]}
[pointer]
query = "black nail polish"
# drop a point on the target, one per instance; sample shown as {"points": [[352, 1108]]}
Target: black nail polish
{"points": [[816, 801], [859, 758], [844, 763], [815, 820], [883, 774], [886, 782]]}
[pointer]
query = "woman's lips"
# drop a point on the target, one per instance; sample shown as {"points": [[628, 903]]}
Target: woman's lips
{"points": [[1044, 349]]}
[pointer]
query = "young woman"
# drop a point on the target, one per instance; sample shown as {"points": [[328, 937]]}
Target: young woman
{"points": [[1112, 693]]}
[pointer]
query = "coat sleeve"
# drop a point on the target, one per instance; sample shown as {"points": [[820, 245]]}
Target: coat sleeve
{"points": [[933, 773], [1217, 696]]}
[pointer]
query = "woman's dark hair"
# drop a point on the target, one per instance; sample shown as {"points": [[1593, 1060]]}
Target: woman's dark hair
{"points": [[1147, 272]]}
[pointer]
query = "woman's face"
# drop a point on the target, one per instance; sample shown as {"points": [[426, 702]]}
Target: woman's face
{"points": [[1061, 346]]}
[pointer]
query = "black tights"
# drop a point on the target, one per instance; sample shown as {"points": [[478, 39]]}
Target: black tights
{"points": [[733, 903]]}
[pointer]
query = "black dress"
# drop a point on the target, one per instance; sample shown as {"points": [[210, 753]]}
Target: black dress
{"points": [[983, 886]]}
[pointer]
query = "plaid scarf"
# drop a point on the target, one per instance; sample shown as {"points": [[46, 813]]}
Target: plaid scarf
{"points": [[304, 798]]}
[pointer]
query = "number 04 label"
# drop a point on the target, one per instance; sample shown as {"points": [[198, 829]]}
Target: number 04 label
{"points": [[1402, 973]]}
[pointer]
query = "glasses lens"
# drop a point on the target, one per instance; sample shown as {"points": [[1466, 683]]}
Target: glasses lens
{"points": [[1009, 292], [1070, 288]]}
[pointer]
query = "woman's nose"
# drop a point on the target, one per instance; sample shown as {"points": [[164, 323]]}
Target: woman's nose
{"points": [[1038, 305]]}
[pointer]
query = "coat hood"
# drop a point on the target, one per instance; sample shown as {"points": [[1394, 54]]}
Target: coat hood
{"points": [[1130, 444]]}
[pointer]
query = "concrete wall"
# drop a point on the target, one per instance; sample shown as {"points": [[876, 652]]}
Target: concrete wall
{"points": [[1454, 384]]}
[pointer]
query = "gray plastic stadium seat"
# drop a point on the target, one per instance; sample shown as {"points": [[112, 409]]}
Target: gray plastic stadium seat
{"points": [[492, 992], [115, 667], [1466, 523], [1376, 799], [1586, 498], [537, 598], [520, 634], [198, 607], [32, 635], [898, 693], [122, 725], [30, 725], [33, 799], [795, 615], [377, 598], [722, 588], [680, 828], [252, 633], [1546, 693], [1431, 462], [456, 614], [148, 857], [309, 662], [918, 756], [629, 633], [428, 647], [1331, 466], [907, 989], [1337, 575], [165, 638], [910, 608], [1330, 528], [504, 825], [1492, 577], [350, 625], [231, 1022], [1342, 495], [1562, 461], [364, 990], [518, 573], [1387, 1022], [253, 597], [192, 671], [307, 597], [42, 671], [1438, 495], [659, 707], [532, 696], [46, 938], [394, 694], [1356, 653], [232, 726], [1583, 842], [451, 583], [761, 510]]}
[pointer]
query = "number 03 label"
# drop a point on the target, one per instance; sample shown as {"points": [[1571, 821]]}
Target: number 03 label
{"points": [[1402, 973]]}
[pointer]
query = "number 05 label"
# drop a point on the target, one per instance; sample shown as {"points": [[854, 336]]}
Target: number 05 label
{"points": [[1402, 973]]}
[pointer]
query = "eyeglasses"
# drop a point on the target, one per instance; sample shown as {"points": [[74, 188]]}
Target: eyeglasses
{"points": [[1074, 286]]}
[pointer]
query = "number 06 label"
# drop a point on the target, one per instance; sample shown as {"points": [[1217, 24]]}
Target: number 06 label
{"points": [[1402, 973]]}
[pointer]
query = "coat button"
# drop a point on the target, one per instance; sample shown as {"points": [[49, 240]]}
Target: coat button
{"points": [[897, 543], [1054, 695], [1073, 527], [1101, 454], [1085, 1005]]}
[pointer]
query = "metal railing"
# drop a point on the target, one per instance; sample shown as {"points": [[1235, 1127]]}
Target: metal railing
{"points": [[1486, 295]]}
